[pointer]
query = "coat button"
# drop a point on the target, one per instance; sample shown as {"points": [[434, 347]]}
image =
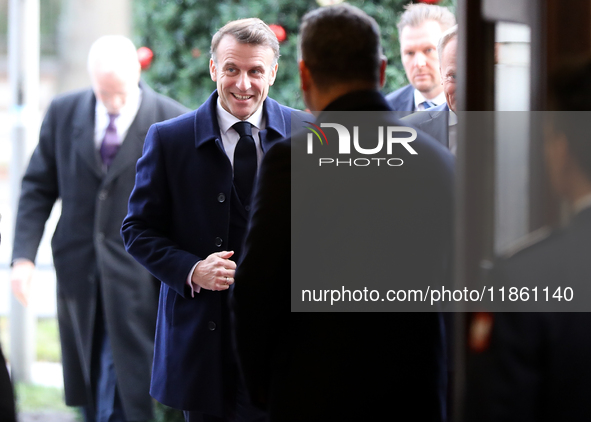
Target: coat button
{"points": [[218, 241], [221, 197], [247, 208], [103, 195], [100, 237], [211, 325]]}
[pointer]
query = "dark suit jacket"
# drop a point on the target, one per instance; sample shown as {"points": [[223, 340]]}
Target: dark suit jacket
{"points": [[433, 121], [537, 365], [87, 246], [341, 366], [403, 99], [179, 213]]}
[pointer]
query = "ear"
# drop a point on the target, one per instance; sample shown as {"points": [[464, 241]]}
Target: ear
{"points": [[305, 78], [383, 64], [273, 74], [212, 70]]}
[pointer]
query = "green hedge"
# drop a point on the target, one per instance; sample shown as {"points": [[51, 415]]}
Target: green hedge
{"points": [[179, 33]]}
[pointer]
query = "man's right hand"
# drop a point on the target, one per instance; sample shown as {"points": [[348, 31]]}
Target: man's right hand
{"points": [[216, 272], [20, 279]]}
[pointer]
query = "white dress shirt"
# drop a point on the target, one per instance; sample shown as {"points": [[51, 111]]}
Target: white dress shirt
{"points": [[452, 137], [230, 139], [122, 122], [420, 99], [582, 204]]}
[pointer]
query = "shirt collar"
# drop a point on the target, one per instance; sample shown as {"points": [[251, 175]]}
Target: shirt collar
{"points": [[453, 118], [582, 203], [226, 120], [419, 98], [130, 108]]}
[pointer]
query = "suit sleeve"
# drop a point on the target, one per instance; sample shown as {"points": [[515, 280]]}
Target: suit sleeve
{"points": [[39, 191], [262, 288], [146, 227]]}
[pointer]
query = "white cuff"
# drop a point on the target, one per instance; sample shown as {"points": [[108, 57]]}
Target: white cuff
{"points": [[195, 288]]}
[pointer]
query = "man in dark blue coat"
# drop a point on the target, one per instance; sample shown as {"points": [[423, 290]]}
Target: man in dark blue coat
{"points": [[335, 366], [188, 215]]}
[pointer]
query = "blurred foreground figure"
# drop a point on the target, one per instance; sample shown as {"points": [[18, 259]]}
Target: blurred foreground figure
{"points": [[7, 411], [535, 366], [106, 302], [345, 366]]}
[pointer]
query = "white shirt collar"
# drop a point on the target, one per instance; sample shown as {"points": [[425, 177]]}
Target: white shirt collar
{"points": [[132, 104], [227, 120], [582, 203], [420, 98], [122, 123], [453, 119]]}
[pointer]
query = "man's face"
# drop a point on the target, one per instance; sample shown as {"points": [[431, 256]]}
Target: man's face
{"points": [[418, 48], [448, 72], [113, 89], [244, 73]]}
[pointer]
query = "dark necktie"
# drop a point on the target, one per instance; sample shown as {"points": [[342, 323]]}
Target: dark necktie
{"points": [[110, 144], [427, 104], [245, 162]]}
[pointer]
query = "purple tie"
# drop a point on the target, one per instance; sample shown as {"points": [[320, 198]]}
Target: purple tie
{"points": [[110, 144]]}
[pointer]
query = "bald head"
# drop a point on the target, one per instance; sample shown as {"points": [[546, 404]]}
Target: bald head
{"points": [[114, 71]]}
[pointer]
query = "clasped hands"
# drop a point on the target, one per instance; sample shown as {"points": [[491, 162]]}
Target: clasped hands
{"points": [[216, 272]]}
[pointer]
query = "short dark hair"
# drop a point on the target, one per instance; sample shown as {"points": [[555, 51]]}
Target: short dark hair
{"points": [[569, 95], [247, 31], [340, 44]]}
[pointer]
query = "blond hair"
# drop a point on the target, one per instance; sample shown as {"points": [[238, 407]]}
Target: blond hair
{"points": [[446, 37], [417, 14]]}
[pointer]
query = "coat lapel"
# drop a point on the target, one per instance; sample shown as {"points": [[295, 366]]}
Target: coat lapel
{"points": [[206, 122], [438, 123], [277, 126], [207, 128], [83, 133]]}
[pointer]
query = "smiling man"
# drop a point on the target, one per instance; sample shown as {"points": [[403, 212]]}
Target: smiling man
{"points": [[188, 215], [419, 29]]}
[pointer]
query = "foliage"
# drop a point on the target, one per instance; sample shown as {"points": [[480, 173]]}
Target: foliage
{"points": [[48, 345], [164, 413], [31, 398], [47, 342], [179, 33]]}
